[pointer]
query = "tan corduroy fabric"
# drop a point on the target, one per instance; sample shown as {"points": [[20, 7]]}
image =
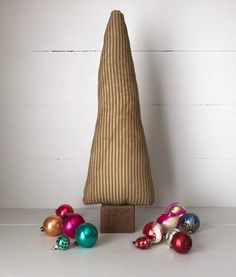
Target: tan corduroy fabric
{"points": [[119, 168]]}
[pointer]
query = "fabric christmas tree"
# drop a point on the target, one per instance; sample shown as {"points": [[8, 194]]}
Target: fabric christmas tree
{"points": [[119, 168]]}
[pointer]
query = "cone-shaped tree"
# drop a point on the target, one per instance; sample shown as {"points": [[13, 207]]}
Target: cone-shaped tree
{"points": [[119, 169]]}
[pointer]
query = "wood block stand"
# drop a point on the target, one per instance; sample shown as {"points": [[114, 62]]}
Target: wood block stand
{"points": [[117, 219]]}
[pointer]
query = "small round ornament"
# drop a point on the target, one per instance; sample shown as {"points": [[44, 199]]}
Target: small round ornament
{"points": [[52, 225], [143, 243], [189, 223], [170, 235], [64, 209], [168, 221], [176, 208], [153, 231], [62, 243], [86, 235], [71, 221], [181, 242]]}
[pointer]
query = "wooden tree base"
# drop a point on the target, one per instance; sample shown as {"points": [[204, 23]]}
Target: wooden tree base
{"points": [[117, 219]]}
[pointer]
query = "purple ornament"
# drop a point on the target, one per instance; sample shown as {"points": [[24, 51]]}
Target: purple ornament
{"points": [[71, 221]]}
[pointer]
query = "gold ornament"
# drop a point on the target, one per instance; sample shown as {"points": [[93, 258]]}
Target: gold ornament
{"points": [[52, 226]]}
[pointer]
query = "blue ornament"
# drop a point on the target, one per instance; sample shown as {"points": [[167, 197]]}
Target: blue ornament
{"points": [[86, 235], [189, 222]]}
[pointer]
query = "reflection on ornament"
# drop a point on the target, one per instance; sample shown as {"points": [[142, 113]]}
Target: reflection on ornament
{"points": [[181, 242], [176, 208], [170, 235], [168, 221], [52, 225], [70, 223], [189, 223], [86, 235], [64, 209]]}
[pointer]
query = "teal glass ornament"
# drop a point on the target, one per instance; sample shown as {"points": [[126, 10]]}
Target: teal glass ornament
{"points": [[86, 235], [62, 243]]}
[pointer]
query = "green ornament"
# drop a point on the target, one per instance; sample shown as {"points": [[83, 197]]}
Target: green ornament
{"points": [[86, 235], [62, 243]]}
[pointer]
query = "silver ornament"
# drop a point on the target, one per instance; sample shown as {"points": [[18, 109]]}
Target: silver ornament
{"points": [[170, 235]]}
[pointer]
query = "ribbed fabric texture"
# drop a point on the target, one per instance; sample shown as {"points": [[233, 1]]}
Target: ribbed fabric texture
{"points": [[119, 169]]}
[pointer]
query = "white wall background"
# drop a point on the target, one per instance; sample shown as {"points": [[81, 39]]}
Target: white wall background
{"points": [[185, 57]]}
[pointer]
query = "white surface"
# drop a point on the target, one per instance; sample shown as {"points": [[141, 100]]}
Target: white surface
{"points": [[185, 59], [25, 251]]}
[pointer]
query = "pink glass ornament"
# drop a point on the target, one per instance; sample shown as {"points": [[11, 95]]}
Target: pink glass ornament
{"points": [[64, 209], [168, 221], [70, 222], [176, 208]]}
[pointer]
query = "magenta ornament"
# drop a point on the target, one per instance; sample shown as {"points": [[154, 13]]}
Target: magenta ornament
{"points": [[71, 221], [176, 208], [168, 221]]}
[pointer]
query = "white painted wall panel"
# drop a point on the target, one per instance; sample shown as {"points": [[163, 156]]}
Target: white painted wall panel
{"points": [[153, 24], [57, 132], [185, 60], [194, 78]]}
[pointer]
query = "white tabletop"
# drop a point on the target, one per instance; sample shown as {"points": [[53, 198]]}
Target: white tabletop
{"points": [[25, 251]]}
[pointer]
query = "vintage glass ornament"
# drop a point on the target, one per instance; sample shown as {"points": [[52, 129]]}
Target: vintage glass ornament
{"points": [[71, 221], [52, 225], [143, 243], [153, 231], [181, 242], [86, 235], [189, 223], [64, 209], [62, 243], [170, 234], [176, 208], [168, 221]]}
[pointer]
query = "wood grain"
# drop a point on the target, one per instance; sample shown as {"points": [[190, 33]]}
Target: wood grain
{"points": [[117, 219]]}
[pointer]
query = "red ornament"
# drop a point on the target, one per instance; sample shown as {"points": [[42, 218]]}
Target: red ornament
{"points": [[181, 242], [64, 209], [148, 230], [154, 232], [143, 243]]}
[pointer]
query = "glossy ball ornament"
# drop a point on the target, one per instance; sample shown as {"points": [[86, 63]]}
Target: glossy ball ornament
{"points": [[64, 209], [52, 226], [143, 243], [86, 235], [189, 223], [153, 231], [168, 221], [62, 243], [181, 242], [176, 208], [71, 222], [170, 235]]}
